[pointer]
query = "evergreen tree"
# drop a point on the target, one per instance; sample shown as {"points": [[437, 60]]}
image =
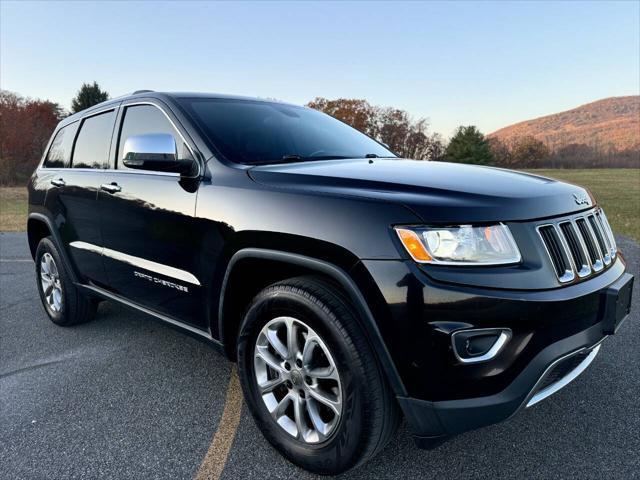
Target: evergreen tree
{"points": [[88, 96], [468, 145]]}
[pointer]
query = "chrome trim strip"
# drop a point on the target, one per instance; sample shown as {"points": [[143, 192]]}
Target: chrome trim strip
{"points": [[106, 109], [564, 381], [87, 246], [112, 170], [503, 338], [131, 171], [145, 264]]}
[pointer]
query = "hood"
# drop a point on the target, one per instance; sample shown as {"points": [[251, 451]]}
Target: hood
{"points": [[438, 192]]}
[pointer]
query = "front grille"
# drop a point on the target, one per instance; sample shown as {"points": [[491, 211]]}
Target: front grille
{"points": [[579, 246]]}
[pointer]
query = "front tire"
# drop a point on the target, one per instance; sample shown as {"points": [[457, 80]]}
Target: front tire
{"points": [[64, 303], [310, 378]]}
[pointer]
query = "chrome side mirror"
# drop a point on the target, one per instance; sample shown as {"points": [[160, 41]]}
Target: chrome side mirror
{"points": [[156, 152]]}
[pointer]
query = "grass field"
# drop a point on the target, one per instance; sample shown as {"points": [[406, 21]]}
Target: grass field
{"points": [[13, 209], [617, 190]]}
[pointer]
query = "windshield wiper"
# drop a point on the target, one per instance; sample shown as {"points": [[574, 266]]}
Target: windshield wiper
{"points": [[292, 158], [299, 158]]}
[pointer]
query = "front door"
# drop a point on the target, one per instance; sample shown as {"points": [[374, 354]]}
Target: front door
{"points": [[148, 226]]}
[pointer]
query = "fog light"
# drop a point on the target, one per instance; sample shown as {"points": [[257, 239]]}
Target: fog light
{"points": [[479, 345]]}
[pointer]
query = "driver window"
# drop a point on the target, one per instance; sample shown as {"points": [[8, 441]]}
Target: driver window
{"points": [[143, 119]]}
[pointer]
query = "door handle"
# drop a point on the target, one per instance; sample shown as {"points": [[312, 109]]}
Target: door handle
{"points": [[112, 187], [58, 183]]}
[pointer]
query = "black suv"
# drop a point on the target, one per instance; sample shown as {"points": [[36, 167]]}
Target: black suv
{"points": [[351, 287]]}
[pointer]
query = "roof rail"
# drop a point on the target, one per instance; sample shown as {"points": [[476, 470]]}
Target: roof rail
{"points": [[142, 91]]}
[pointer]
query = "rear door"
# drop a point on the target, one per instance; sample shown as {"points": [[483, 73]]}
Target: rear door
{"points": [[75, 165], [148, 226]]}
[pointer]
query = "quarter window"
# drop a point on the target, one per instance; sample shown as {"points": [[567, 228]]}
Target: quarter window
{"points": [[144, 119], [94, 140], [59, 155]]}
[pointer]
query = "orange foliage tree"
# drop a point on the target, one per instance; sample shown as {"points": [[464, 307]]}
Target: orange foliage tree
{"points": [[25, 128], [391, 126]]}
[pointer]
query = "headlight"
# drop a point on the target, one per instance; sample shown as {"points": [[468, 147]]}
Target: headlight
{"points": [[460, 245]]}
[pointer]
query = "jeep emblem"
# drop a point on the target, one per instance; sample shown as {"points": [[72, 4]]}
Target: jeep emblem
{"points": [[581, 199]]}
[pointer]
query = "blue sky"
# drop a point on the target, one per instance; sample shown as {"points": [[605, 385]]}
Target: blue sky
{"points": [[483, 63]]}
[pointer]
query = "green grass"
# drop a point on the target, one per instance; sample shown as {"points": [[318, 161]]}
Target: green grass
{"points": [[617, 191], [13, 209]]}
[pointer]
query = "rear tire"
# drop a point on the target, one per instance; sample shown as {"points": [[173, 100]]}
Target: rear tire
{"points": [[64, 303], [368, 412]]}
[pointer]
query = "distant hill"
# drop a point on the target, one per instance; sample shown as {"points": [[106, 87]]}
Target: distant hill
{"points": [[611, 122]]}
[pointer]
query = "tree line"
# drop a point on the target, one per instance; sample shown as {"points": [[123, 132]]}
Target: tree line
{"points": [[411, 139], [26, 125]]}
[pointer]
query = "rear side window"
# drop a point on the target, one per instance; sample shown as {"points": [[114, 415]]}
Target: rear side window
{"points": [[143, 119], [93, 142], [59, 154]]}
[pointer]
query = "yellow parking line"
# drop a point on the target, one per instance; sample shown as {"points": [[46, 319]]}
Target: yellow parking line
{"points": [[216, 457]]}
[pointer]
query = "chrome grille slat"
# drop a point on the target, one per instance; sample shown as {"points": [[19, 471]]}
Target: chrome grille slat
{"points": [[605, 237], [557, 251], [581, 245], [609, 233], [578, 252], [590, 243], [600, 243]]}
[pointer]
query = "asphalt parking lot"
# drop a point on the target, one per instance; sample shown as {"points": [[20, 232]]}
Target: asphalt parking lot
{"points": [[126, 397]]}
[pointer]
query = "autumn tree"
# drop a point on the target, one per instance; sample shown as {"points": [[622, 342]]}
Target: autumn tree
{"points": [[355, 112], [391, 126], [88, 96], [529, 152], [25, 128], [501, 152], [468, 145]]}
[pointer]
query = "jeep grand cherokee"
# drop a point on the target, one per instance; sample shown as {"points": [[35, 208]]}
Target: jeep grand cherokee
{"points": [[350, 286]]}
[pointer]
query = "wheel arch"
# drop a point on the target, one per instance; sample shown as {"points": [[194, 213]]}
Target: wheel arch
{"points": [[231, 306], [40, 226]]}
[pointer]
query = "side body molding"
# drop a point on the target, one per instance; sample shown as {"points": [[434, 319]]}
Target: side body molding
{"points": [[369, 326]]}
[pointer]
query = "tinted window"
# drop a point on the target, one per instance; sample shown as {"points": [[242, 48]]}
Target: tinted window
{"points": [[59, 155], [94, 140], [255, 132], [142, 119]]}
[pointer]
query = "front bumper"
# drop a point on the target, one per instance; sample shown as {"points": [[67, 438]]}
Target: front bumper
{"points": [[556, 335], [433, 422]]}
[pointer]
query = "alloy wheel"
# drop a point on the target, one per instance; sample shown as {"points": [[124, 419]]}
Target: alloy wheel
{"points": [[50, 282], [298, 380]]}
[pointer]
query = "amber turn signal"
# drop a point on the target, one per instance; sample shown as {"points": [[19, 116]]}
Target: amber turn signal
{"points": [[414, 246]]}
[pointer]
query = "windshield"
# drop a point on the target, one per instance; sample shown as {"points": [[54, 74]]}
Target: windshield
{"points": [[255, 132]]}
